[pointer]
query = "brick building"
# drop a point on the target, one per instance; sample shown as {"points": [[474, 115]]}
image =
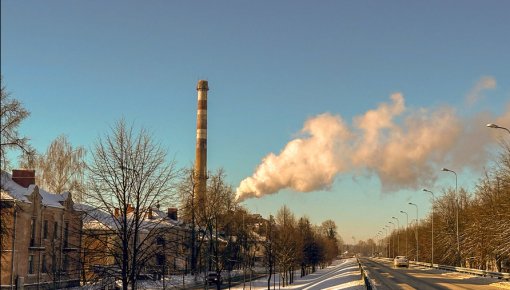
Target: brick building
{"points": [[41, 242], [162, 242]]}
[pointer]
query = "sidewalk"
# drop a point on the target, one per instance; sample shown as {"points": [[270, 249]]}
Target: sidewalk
{"points": [[342, 274]]}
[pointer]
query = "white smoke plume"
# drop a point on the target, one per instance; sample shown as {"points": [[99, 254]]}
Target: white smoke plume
{"points": [[403, 147], [476, 93]]}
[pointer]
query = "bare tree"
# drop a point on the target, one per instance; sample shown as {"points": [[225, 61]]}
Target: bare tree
{"points": [[484, 222], [328, 232], [128, 174], [188, 208], [61, 168], [269, 249], [220, 203], [285, 243], [12, 114], [214, 227]]}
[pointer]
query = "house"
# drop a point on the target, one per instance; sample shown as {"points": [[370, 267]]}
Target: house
{"points": [[162, 241], [41, 242]]}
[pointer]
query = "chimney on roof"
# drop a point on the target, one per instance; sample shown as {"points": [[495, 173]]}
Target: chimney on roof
{"points": [[130, 208], [116, 213], [151, 216], [172, 213], [23, 177]]}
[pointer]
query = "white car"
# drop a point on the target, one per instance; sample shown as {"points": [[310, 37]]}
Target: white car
{"points": [[401, 261]]}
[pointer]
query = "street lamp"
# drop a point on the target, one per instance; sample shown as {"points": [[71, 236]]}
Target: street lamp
{"points": [[398, 236], [407, 226], [386, 239], [416, 231], [380, 238], [494, 126], [374, 243], [433, 198], [393, 248], [456, 211], [389, 239]]}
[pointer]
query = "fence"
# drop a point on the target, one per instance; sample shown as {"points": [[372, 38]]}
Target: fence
{"points": [[477, 272], [365, 275], [484, 273]]}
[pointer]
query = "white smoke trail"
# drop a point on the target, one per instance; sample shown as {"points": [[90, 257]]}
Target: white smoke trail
{"points": [[406, 154], [476, 93]]}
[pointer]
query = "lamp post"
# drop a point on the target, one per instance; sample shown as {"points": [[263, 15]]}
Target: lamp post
{"points": [[433, 198], [494, 126], [393, 248], [387, 251], [398, 235], [416, 231], [373, 243], [354, 245], [456, 212], [380, 238], [388, 237], [407, 226]]}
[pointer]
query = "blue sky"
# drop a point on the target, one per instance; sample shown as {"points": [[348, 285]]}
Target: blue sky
{"points": [[79, 66]]}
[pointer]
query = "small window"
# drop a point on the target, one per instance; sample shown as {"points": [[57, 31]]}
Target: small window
{"points": [[31, 264], [44, 269], [45, 229], [65, 265], [160, 241], [55, 230], [32, 232], [160, 259], [66, 235], [53, 263]]}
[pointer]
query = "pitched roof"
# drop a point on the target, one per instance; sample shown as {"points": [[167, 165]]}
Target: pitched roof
{"points": [[10, 190], [98, 219]]}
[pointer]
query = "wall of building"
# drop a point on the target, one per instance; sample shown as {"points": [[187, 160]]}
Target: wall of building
{"points": [[43, 255]]}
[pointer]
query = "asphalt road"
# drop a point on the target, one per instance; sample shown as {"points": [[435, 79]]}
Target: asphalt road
{"points": [[387, 276]]}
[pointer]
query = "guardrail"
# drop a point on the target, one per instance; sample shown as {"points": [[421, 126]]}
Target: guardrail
{"points": [[478, 272], [365, 275]]}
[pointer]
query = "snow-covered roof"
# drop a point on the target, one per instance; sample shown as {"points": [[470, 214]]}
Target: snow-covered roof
{"points": [[96, 218], [10, 190]]}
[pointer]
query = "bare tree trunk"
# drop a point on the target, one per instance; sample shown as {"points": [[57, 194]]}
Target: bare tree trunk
{"points": [[129, 169]]}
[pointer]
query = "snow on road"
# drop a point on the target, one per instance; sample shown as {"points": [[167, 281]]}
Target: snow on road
{"points": [[342, 274]]}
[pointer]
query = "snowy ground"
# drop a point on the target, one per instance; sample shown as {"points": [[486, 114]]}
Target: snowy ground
{"points": [[342, 274]]}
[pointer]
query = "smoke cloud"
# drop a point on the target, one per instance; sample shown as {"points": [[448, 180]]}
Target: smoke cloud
{"points": [[476, 93], [403, 147]]}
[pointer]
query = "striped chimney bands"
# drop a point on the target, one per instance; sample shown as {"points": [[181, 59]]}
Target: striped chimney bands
{"points": [[201, 149]]}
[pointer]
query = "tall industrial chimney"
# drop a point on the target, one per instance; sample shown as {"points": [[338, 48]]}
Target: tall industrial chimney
{"points": [[201, 149]]}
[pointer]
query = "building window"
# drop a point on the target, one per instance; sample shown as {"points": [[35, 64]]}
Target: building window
{"points": [[32, 232], [66, 234], [65, 265], [53, 263], [31, 264], [55, 230], [160, 259], [160, 241], [44, 269], [45, 229]]}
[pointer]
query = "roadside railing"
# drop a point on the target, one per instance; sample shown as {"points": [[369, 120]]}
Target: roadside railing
{"points": [[477, 272], [365, 276]]}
